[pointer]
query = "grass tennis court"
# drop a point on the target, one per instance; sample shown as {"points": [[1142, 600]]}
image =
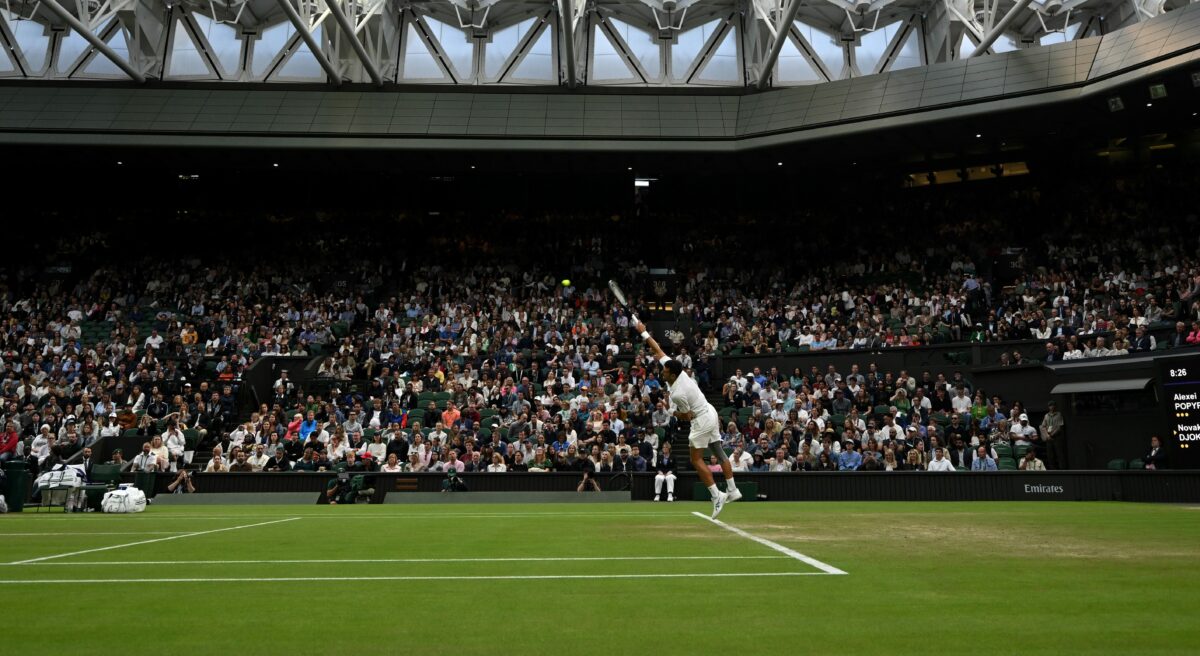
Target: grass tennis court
{"points": [[1039, 577]]}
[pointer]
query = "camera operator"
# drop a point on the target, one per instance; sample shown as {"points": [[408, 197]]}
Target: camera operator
{"points": [[452, 482]]}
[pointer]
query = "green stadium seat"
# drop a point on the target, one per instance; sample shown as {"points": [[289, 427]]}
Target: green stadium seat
{"points": [[130, 432], [1117, 464], [1003, 450], [1007, 464], [1137, 463]]}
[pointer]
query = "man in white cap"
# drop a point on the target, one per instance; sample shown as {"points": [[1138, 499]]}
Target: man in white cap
{"points": [[1022, 433]]}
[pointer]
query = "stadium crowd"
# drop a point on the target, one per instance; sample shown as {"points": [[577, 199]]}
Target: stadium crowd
{"points": [[466, 345]]}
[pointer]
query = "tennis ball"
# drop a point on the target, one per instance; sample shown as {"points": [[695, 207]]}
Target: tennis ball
{"points": [[566, 282]]}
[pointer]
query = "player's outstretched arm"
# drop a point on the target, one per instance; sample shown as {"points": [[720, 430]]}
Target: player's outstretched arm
{"points": [[654, 347]]}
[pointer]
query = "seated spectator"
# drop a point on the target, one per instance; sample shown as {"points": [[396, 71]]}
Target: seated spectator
{"points": [[175, 444], [260, 458], [871, 462], [392, 465], [1031, 462], [824, 462], [780, 462], [983, 461], [240, 463], [497, 465], [850, 459], [889, 460], [308, 462], [940, 463], [217, 463], [279, 462], [518, 463], [146, 461], [160, 453], [8, 442]]}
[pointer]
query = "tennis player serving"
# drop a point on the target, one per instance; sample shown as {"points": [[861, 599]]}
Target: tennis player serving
{"points": [[691, 406]]}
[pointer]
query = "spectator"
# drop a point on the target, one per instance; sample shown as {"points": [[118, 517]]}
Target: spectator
{"points": [[940, 463], [983, 461], [889, 461], [1031, 462], [1022, 433], [279, 462], [871, 462], [497, 465], [160, 452], [392, 465], [240, 463], [850, 459], [781, 462], [146, 461], [8, 442], [824, 463], [259, 460]]}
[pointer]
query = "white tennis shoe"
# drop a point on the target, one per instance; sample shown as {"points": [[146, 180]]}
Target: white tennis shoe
{"points": [[718, 504], [733, 495]]}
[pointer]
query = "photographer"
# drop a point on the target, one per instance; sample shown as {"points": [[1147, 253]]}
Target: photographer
{"points": [[588, 483], [182, 483], [452, 482]]}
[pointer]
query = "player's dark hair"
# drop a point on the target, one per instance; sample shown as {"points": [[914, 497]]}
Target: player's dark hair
{"points": [[673, 366]]}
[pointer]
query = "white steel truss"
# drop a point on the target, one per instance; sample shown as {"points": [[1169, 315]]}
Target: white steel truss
{"points": [[651, 43]]}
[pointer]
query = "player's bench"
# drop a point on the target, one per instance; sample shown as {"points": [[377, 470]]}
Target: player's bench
{"points": [[749, 490]]}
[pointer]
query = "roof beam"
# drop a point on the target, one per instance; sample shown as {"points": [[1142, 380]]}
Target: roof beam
{"points": [[335, 10], [306, 34], [991, 37], [781, 33], [98, 44], [566, 21]]}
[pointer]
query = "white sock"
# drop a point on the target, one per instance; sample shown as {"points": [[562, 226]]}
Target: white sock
{"points": [[730, 486], [712, 489]]}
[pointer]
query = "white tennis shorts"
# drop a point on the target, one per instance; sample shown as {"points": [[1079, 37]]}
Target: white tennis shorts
{"points": [[705, 430]]}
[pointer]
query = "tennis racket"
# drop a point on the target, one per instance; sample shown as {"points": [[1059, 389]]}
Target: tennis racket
{"points": [[620, 296]]}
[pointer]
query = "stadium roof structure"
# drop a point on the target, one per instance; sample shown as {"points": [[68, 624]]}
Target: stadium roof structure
{"points": [[731, 44]]}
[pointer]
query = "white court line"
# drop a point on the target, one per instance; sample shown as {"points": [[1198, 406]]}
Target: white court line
{"points": [[134, 544], [518, 577], [88, 533], [828, 569], [332, 515], [398, 560]]}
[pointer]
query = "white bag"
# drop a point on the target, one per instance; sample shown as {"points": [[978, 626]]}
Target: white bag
{"points": [[124, 500], [3, 505]]}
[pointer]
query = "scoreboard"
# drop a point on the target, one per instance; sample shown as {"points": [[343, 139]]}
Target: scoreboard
{"points": [[1179, 389]]}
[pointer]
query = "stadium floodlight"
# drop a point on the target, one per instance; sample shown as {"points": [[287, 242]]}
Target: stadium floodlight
{"points": [[1196, 79], [1158, 91], [1115, 104]]}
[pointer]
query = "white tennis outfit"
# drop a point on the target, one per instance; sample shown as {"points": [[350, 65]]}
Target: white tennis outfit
{"points": [[687, 397]]}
